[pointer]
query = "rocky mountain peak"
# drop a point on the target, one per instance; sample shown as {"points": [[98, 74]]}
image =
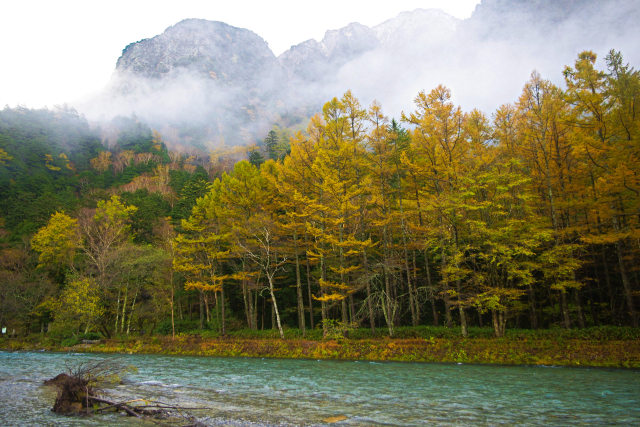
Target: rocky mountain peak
{"points": [[208, 48], [348, 41]]}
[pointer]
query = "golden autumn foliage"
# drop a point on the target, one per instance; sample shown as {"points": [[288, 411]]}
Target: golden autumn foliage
{"points": [[57, 242]]}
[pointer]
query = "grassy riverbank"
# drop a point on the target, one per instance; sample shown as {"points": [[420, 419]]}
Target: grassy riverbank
{"points": [[601, 347]]}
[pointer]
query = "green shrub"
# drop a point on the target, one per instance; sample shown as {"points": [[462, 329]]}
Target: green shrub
{"points": [[70, 342], [182, 326], [598, 333], [338, 330], [90, 336]]}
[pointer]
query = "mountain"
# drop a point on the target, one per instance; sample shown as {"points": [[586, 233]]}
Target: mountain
{"points": [[313, 61], [206, 83], [200, 82], [229, 55]]}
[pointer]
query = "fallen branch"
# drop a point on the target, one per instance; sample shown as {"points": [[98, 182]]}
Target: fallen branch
{"points": [[123, 406]]}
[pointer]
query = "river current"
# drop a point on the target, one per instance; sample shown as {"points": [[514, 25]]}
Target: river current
{"points": [[245, 391]]}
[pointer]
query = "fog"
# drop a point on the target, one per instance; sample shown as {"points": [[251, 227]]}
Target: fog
{"points": [[488, 58], [485, 60]]}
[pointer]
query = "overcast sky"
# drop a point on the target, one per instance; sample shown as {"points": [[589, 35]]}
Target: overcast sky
{"points": [[59, 51]]}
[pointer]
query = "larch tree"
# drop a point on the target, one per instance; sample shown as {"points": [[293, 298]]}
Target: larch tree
{"points": [[297, 183], [545, 145], [199, 252], [606, 128], [341, 183], [441, 144]]}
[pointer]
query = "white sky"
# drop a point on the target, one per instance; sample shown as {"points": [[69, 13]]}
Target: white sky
{"points": [[58, 51]]}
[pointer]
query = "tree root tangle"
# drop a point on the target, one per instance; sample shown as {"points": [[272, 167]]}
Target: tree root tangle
{"points": [[78, 394]]}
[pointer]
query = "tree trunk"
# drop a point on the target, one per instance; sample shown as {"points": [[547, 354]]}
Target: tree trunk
{"points": [[447, 310], [222, 312], [533, 318], [412, 297], [273, 317], [430, 290], [415, 284], [365, 264], [124, 307], [246, 299], [133, 304], [496, 324], [343, 311], [323, 304], [275, 305], [207, 315], [626, 284], [217, 309], [255, 309], [463, 317], [343, 302], [200, 293], [262, 316], [388, 300], [115, 332], [565, 310], [351, 309], [576, 297], [447, 301], [301, 323], [173, 323], [388, 303], [309, 293], [502, 320]]}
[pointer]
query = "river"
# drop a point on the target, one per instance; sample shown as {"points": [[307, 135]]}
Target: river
{"points": [[245, 391]]}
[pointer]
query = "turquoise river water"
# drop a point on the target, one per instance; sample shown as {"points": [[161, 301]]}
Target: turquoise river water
{"points": [[257, 392]]}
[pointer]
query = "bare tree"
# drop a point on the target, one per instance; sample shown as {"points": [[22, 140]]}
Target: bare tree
{"points": [[258, 240]]}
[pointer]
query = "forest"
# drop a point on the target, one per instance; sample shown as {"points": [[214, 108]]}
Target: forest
{"points": [[528, 218]]}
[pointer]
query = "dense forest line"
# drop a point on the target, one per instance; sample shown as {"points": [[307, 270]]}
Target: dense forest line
{"points": [[527, 219]]}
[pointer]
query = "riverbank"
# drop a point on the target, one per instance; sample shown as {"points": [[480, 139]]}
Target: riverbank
{"points": [[618, 353]]}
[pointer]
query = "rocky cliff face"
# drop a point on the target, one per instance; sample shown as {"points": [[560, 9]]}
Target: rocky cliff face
{"points": [[313, 61], [230, 55]]}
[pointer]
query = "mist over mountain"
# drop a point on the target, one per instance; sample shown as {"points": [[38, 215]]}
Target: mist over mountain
{"points": [[207, 83]]}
